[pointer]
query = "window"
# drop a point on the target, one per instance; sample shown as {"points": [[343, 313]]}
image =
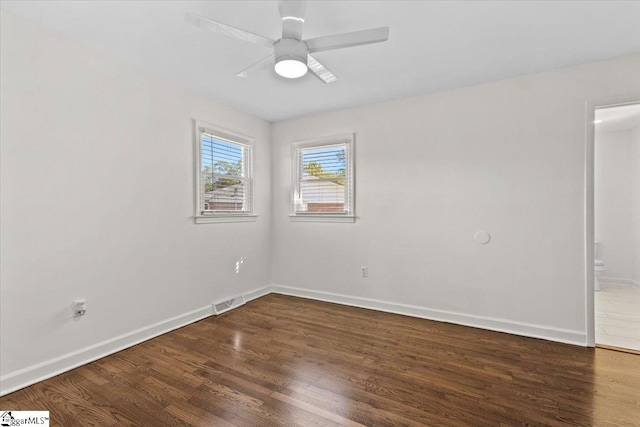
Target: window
{"points": [[323, 180], [223, 179]]}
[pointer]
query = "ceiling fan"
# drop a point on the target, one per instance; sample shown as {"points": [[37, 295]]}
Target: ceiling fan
{"points": [[291, 55]]}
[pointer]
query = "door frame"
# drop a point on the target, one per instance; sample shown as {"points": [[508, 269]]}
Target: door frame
{"points": [[589, 208]]}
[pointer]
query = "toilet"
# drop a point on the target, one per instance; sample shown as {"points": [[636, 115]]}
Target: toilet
{"points": [[598, 267]]}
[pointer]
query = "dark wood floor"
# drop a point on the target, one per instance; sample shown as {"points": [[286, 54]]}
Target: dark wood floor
{"points": [[289, 361]]}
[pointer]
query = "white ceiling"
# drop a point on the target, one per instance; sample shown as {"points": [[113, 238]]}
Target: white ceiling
{"points": [[432, 45], [620, 118]]}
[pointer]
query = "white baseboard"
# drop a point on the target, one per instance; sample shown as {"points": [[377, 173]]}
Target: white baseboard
{"points": [[257, 293], [620, 281], [501, 325], [32, 374]]}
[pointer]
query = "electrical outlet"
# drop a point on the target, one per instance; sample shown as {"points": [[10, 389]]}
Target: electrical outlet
{"points": [[79, 307], [365, 271]]}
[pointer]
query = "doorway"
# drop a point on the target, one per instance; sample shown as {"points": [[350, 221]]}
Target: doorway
{"points": [[616, 226]]}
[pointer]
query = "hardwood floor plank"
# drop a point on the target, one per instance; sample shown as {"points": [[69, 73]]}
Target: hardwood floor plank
{"points": [[282, 360], [196, 416]]}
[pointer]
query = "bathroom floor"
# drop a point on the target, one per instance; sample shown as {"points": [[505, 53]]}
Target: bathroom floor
{"points": [[618, 316]]}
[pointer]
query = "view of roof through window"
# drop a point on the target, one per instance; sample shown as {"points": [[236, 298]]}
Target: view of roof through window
{"points": [[322, 185], [223, 172]]}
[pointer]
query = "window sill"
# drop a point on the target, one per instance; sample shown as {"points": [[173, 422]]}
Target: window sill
{"points": [[322, 218], [210, 219]]}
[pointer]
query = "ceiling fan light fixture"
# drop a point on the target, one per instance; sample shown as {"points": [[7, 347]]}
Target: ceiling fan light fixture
{"points": [[292, 57], [291, 68]]}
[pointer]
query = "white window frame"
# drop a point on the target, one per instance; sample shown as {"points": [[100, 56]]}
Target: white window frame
{"points": [[248, 144], [296, 176]]}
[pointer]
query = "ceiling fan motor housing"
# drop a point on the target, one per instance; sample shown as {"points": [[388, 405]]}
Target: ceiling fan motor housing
{"points": [[296, 50]]}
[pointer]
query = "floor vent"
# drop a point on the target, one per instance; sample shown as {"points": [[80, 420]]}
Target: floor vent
{"points": [[230, 304]]}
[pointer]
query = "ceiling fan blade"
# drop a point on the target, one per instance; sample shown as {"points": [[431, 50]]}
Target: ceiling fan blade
{"points": [[339, 41], [266, 62], [319, 71], [292, 13], [228, 30]]}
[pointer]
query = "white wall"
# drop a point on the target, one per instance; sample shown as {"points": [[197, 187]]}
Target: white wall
{"points": [[635, 207], [506, 157], [98, 200], [613, 200]]}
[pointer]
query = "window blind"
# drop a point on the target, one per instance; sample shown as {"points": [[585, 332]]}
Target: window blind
{"points": [[324, 179], [223, 175]]}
